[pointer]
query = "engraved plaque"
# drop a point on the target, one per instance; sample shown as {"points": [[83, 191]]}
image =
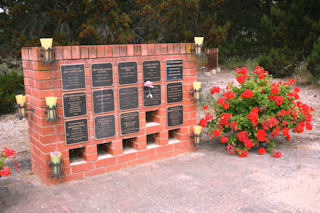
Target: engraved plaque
{"points": [[174, 92], [175, 116], [127, 73], [151, 71], [103, 101], [104, 126], [102, 75], [129, 123], [174, 70], [73, 77], [155, 98], [76, 131], [74, 104], [128, 98]]}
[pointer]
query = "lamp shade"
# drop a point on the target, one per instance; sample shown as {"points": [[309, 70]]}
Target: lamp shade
{"points": [[196, 85], [198, 40], [46, 43], [51, 101], [197, 129]]}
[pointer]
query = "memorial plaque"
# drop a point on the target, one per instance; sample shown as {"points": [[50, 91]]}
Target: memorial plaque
{"points": [[73, 77], [74, 104], [175, 116], [174, 70], [155, 98], [102, 75], [129, 123], [127, 73], [104, 126], [76, 131], [103, 101], [128, 98], [174, 92], [151, 71]]}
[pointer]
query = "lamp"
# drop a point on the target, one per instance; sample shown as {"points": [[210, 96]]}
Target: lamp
{"points": [[196, 90], [196, 133], [198, 43], [22, 106], [51, 105], [47, 51], [55, 164]]}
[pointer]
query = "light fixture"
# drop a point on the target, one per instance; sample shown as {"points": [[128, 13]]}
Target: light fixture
{"points": [[22, 106], [55, 164], [47, 51], [196, 134], [51, 105], [196, 90], [198, 44]]}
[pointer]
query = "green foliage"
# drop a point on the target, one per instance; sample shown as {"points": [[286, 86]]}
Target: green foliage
{"points": [[279, 62], [10, 85], [314, 59]]}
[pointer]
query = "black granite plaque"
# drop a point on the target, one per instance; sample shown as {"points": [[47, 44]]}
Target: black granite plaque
{"points": [[175, 115], [73, 77], [153, 98], [151, 71], [129, 123], [104, 126], [128, 98], [74, 104], [102, 75], [174, 92], [76, 131], [127, 73], [174, 69], [103, 101]]}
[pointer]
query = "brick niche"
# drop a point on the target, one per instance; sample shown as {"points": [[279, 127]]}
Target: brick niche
{"points": [[146, 134]]}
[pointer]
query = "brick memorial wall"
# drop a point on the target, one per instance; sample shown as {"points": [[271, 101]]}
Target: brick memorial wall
{"points": [[107, 119]]}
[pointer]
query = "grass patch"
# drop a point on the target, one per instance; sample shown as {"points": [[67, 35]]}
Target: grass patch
{"points": [[233, 62]]}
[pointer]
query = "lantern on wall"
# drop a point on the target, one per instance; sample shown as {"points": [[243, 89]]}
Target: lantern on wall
{"points": [[22, 106], [196, 134], [51, 105], [196, 90], [47, 51], [198, 44]]}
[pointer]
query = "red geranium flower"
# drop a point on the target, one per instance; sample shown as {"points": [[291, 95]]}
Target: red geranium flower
{"points": [[8, 152], [243, 136], [5, 171], [276, 154], [215, 89], [217, 132], [225, 105], [247, 94], [242, 153], [292, 81], [203, 122], [275, 90], [261, 135], [248, 144], [285, 131], [224, 139], [261, 151], [241, 78], [231, 149], [229, 95], [205, 107], [221, 100], [308, 126]]}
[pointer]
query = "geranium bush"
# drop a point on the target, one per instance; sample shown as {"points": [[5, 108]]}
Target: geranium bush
{"points": [[4, 155], [251, 113]]}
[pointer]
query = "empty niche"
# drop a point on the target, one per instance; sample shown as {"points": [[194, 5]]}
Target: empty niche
{"points": [[173, 136], [103, 150], [127, 145], [152, 140], [76, 156], [152, 118]]}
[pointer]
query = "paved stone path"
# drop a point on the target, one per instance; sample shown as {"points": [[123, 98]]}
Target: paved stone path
{"points": [[208, 180]]}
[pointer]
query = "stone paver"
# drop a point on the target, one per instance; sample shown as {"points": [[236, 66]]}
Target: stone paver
{"points": [[208, 180]]}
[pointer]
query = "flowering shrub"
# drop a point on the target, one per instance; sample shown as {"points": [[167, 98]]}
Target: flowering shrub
{"points": [[252, 113], [5, 154]]}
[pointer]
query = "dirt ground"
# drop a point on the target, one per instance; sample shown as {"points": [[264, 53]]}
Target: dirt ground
{"points": [[14, 132]]}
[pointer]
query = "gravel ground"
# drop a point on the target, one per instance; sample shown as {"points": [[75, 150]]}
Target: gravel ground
{"points": [[14, 132]]}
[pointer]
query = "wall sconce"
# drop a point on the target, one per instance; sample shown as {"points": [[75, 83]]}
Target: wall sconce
{"points": [[22, 107], [51, 105], [196, 134], [198, 43], [196, 90], [47, 51], [55, 164]]}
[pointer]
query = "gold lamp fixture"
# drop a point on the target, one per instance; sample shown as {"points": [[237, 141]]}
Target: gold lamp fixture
{"points": [[47, 51], [196, 134], [198, 44], [196, 90], [22, 106], [51, 105]]}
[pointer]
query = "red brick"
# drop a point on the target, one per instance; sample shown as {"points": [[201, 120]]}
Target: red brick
{"points": [[84, 51], [34, 54], [144, 49], [25, 53], [92, 51], [150, 49], [91, 148], [116, 51], [170, 48], [81, 167], [146, 153], [176, 48], [116, 167], [165, 148], [123, 50], [100, 51], [189, 48], [182, 48], [164, 49], [130, 50], [140, 146], [66, 52], [75, 52], [105, 161], [95, 172], [72, 177], [137, 161], [108, 50], [59, 53], [137, 49], [126, 157], [90, 157], [157, 49]]}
